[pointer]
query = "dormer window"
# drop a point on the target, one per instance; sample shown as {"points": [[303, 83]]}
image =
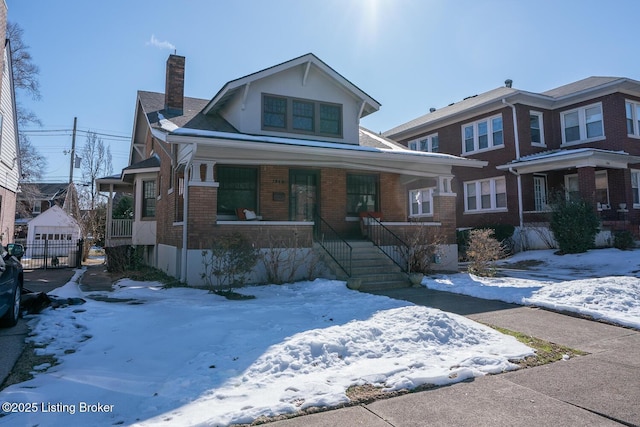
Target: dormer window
{"points": [[295, 115]]}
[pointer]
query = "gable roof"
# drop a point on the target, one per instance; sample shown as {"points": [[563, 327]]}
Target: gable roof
{"points": [[580, 86], [55, 215], [232, 88], [454, 109], [192, 117], [43, 190]]}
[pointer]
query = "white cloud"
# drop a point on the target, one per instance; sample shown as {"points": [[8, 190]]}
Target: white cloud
{"points": [[157, 43]]}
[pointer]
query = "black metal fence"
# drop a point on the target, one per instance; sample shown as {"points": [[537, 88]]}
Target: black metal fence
{"points": [[45, 254]]}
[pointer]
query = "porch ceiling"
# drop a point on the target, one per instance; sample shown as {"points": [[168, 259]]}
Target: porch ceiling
{"points": [[568, 159]]}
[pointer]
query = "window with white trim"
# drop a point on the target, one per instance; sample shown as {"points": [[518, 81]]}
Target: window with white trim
{"points": [[485, 195], [421, 202], [428, 143], [537, 128], [582, 124], [37, 207], [482, 135], [633, 117], [635, 187]]}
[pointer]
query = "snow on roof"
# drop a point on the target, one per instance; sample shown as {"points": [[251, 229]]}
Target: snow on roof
{"points": [[560, 152], [309, 143]]}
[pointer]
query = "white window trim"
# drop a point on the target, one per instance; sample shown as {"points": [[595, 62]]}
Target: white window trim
{"points": [[540, 118], [637, 172], [478, 195], [635, 105], [36, 208], [415, 144], [476, 144], [582, 125], [430, 190]]}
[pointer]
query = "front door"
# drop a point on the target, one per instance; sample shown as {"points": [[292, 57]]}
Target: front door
{"points": [[303, 195]]}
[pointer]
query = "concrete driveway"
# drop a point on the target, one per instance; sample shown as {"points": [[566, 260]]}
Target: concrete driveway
{"points": [[12, 339]]}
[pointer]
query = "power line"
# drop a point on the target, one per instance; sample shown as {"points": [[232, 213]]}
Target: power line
{"points": [[69, 132]]}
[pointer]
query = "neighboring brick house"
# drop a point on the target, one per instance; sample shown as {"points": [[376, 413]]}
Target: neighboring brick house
{"points": [[282, 146], [582, 138]]}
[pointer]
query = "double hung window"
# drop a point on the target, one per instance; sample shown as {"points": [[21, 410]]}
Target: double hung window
{"points": [[238, 189], [482, 135], [421, 202], [149, 196], [485, 195], [428, 143], [582, 124], [633, 118], [362, 193], [536, 128]]}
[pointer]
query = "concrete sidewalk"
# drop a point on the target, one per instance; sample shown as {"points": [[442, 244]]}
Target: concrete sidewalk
{"points": [[599, 389]]}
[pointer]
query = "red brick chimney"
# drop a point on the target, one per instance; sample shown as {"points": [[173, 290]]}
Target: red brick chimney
{"points": [[174, 86]]}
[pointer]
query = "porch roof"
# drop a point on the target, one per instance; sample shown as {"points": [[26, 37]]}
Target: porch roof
{"points": [[572, 158], [236, 148]]}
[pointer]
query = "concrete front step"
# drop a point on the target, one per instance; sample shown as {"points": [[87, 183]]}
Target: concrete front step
{"points": [[372, 269]]}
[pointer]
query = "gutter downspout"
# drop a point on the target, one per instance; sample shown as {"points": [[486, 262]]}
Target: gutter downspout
{"points": [[515, 172], [185, 217]]}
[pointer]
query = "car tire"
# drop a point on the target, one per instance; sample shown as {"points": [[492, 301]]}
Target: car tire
{"points": [[13, 314]]}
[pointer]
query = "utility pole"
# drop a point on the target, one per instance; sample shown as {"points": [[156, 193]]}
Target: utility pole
{"points": [[73, 150]]}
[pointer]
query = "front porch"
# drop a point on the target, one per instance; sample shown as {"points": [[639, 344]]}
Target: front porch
{"points": [[602, 178]]}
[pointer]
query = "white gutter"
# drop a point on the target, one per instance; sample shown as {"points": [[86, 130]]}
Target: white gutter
{"points": [[517, 144], [185, 217]]}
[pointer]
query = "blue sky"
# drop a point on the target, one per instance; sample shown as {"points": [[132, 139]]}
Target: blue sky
{"points": [[409, 55]]}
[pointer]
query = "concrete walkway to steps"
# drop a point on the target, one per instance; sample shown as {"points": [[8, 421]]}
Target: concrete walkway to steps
{"points": [[599, 389]]}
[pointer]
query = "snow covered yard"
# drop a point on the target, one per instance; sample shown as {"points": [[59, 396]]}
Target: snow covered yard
{"points": [[602, 283], [183, 356]]}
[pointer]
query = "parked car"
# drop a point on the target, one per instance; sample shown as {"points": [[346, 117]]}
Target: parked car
{"points": [[11, 281]]}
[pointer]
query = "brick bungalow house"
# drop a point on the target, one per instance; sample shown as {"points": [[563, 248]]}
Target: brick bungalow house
{"points": [[582, 138], [276, 152]]}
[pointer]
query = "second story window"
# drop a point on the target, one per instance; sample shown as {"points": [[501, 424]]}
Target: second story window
{"points": [[428, 143], [482, 135], [633, 118], [293, 115], [582, 124], [536, 128]]}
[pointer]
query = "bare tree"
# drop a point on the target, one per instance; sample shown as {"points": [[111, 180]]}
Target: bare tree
{"points": [[96, 163], [25, 81]]}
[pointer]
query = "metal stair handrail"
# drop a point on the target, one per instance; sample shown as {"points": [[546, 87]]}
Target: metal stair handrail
{"points": [[396, 249], [335, 246]]}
